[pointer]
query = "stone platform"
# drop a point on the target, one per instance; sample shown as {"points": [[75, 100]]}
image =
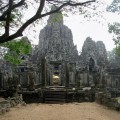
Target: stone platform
{"points": [[54, 94]]}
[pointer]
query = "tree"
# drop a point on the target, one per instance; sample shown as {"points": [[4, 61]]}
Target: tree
{"points": [[17, 49], [11, 14], [115, 29], [114, 6]]}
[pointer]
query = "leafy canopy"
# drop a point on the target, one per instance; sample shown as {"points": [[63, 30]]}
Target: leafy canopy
{"points": [[16, 49], [114, 6], [115, 29]]}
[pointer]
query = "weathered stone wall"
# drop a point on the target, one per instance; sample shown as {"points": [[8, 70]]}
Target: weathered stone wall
{"points": [[6, 104], [96, 51], [89, 50], [94, 60], [113, 59], [101, 54], [56, 40]]}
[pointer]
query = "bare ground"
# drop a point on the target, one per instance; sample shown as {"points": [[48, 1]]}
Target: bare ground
{"points": [[70, 111]]}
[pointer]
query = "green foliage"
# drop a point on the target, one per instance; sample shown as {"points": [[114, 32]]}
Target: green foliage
{"points": [[114, 6], [117, 50], [16, 16], [115, 29], [57, 17], [15, 50]]}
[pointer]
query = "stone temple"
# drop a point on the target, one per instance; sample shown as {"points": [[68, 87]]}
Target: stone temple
{"points": [[56, 44], [56, 62], [56, 41], [61, 55]]}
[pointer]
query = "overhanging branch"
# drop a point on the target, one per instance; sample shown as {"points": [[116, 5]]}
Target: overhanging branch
{"points": [[67, 4], [38, 15], [3, 16], [3, 7]]}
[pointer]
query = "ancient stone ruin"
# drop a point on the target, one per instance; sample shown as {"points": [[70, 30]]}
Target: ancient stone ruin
{"points": [[55, 63]]}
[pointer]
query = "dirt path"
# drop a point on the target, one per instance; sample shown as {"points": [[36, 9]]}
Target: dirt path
{"points": [[74, 111]]}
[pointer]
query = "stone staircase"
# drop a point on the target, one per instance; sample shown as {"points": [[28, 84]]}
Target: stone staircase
{"points": [[54, 94]]}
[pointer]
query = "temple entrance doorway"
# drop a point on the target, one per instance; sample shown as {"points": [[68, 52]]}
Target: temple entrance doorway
{"points": [[91, 64]]}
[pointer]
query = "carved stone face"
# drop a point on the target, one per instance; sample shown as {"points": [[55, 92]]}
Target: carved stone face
{"points": [[56, 40]]}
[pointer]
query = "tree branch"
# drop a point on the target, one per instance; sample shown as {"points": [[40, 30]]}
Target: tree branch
{"points": [[3, 7], [38, 15], [66, 4], [8, 18], [23, 27], [42, 3], [3, 16], [19, 4]]}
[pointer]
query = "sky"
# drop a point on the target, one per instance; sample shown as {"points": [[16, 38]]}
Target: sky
{"points": [[89, 29], [81, 28], [97, 31]]}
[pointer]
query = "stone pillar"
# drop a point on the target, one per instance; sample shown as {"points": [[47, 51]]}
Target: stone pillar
{"points": [[67, 75], [31, 80], [1, 86], [43, 70]]}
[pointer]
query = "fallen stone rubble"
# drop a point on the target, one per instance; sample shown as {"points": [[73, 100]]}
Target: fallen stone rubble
{"points": [[6, 104], [105, 98]]}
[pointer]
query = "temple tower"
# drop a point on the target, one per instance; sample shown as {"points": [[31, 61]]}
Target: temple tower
{"points": [[56, 43]]}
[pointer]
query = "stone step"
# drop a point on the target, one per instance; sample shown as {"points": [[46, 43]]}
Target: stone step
{"points": [[54, 93], [54, 96], [55, 102], [55, 99]]}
